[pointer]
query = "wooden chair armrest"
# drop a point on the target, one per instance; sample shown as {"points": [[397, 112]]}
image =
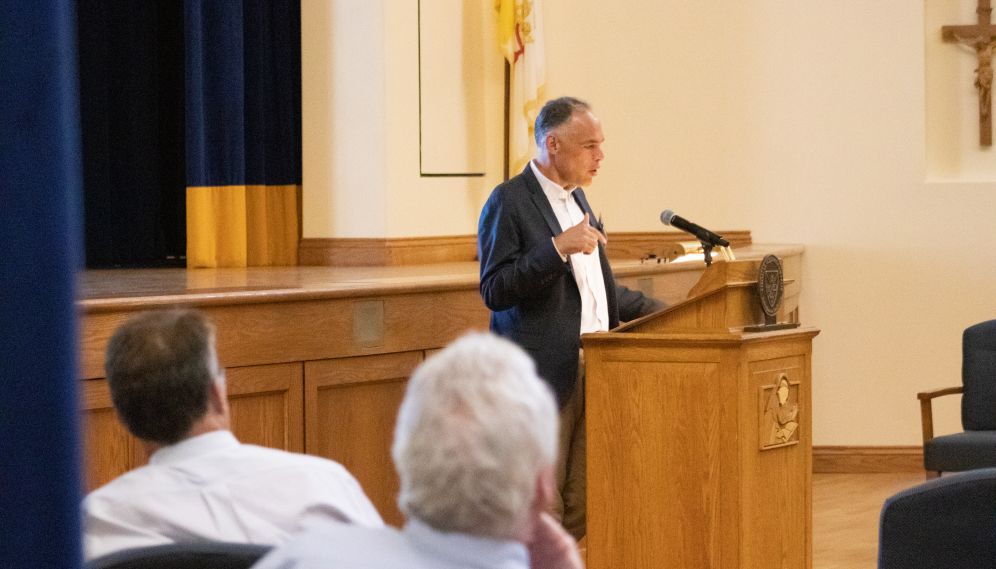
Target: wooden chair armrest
{"points": [[926, 409], [928, 395]]}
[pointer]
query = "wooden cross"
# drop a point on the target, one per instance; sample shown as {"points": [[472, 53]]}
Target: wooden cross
{"points": [[981, 37]]}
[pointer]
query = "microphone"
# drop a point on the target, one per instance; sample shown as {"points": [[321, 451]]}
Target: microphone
{"points": [[670, 219]]}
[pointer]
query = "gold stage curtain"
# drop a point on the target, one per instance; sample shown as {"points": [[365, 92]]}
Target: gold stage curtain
{"points": [[272, 225], [239, 226]]}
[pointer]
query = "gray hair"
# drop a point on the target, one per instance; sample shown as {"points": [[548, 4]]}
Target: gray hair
{"points": [[475, 429], [160, 366], [555, 113]]}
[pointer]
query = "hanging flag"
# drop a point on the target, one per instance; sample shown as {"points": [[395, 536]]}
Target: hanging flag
{"points": [[520, 37]]}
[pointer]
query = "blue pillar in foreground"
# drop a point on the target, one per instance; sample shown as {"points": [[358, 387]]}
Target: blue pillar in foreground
{"points": [[40, 186]]}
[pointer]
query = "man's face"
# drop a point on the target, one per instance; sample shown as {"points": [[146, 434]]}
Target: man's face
{"points": [[577, 149]]}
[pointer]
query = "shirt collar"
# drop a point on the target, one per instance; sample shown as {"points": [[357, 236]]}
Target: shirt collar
{"points": [[554, 191], [194, 446], [465, 550]]}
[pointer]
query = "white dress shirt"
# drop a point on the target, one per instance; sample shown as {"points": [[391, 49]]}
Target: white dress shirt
{"points": [[211, 487], [417, 546], [587, 268]]}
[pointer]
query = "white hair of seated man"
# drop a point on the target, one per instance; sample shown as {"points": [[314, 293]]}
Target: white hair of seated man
{"points": [[476, 428]]}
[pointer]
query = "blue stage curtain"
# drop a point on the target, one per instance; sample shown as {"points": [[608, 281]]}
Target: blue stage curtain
{"points": [[243, 132], [40, 228], [132, 117]]}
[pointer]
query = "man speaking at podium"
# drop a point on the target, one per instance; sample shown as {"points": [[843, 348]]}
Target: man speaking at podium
{"points": [[546, 279]]}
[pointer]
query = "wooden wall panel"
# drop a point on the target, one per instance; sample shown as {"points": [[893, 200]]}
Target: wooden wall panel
{"points": [[394, 252], [649, 406], [350, 412], [264, 346], [109, 450], [328, 329], [778, 476], [267, 405], [95, 331], [277, 332], [384, 252]]}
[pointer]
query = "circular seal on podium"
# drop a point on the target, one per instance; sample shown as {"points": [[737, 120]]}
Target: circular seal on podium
{"points": [[770, 285]]}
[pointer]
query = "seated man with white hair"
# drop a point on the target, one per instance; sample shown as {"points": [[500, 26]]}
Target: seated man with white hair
{"points": [[475, 447]]}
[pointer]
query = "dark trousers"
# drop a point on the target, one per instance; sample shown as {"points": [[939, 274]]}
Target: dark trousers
{"points": [[572, 482]]}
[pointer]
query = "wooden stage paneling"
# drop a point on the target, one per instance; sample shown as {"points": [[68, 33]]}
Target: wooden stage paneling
{"points": [[317, 358]]}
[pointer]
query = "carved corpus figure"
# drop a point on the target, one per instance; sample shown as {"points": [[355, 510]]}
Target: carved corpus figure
{"points": [[982, 38], [984, 72], [984, 77]]}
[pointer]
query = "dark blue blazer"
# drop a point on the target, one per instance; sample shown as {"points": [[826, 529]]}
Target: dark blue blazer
{"points": [[532, 294]]}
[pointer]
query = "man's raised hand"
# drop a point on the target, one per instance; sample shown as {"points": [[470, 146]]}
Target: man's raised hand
{"points": [[582, 238]]}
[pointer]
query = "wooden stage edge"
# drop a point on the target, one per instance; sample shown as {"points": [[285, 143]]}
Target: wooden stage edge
{"points": [[867, 459], [393, 252]]}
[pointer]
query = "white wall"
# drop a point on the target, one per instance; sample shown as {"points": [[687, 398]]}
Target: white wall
{"points": [[360, 107], [343, 126], [801, 121]]}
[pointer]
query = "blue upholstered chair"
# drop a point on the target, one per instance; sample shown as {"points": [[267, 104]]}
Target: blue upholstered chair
{"points": [[976, 447], [947, 523], [196, 555]]}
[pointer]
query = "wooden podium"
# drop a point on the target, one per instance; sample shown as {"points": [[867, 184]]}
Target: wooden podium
{"points": [[700, 435]]}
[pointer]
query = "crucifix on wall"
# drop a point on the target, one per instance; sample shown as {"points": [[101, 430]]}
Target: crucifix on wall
{"points": [[982, 38]]}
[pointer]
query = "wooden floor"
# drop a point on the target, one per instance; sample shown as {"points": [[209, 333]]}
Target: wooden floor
{"points": [[846, 508]]}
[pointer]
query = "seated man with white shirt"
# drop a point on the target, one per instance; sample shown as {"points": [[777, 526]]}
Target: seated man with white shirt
{"points": [[475, 447], [201, 484]]}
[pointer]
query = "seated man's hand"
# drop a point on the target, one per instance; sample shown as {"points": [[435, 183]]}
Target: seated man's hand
{"points": [[582, 238], [552, 547]]}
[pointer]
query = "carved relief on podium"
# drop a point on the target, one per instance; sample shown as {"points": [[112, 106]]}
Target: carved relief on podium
{"points": [[779, 413]]}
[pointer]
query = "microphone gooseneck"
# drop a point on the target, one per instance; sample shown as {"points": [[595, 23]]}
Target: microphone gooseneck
{"points": [[669, 218]]}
